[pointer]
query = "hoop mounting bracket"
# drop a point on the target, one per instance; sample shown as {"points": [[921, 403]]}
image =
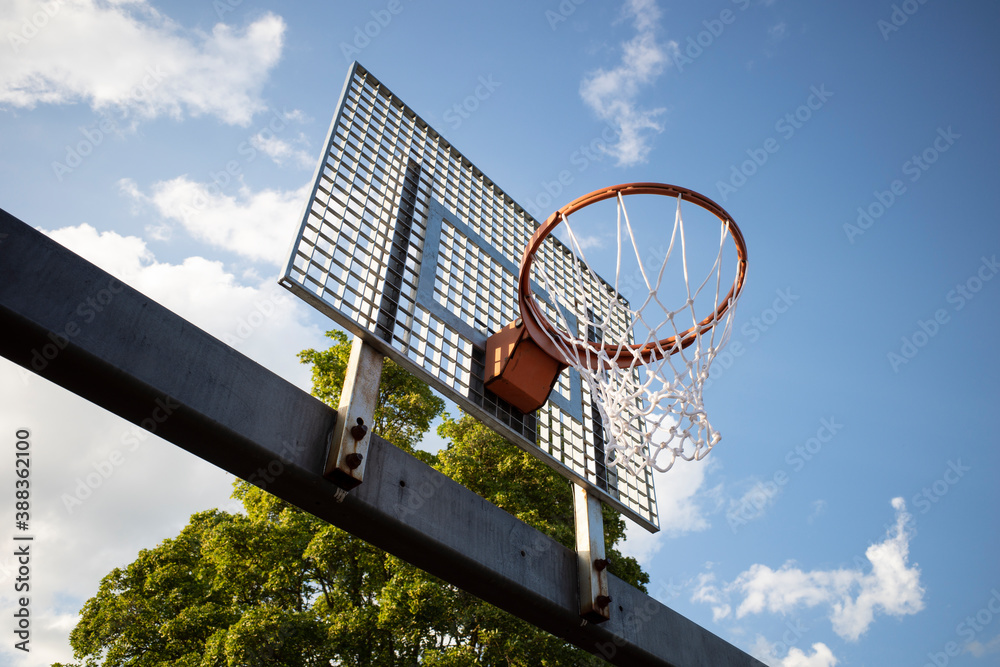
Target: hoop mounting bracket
{"points": [[518, 370]]}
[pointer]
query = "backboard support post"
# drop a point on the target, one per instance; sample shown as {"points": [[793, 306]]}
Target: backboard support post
{"points": [[345, 463], [595, 602]]}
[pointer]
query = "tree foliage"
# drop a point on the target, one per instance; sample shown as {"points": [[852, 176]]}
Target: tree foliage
{"points": [[276, 586]]}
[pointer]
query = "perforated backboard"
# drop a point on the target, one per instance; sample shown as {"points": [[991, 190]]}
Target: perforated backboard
{"points": [[407, 244]]}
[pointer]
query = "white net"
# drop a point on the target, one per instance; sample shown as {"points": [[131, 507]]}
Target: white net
{"points": [[648, 382]]}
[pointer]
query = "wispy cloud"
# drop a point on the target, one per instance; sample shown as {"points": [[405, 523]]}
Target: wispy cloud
{"points": [[76, 56], [707, 592], [980, 649], [754, 503], [613, 94], [283, 152], [891, 586], [818, 507]]}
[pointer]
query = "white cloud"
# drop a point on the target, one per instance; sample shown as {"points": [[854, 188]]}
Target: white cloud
{"points": [[203, 292], [613, 93], [680, 501], [782, 590], [768, 653], [282, 152], [255, 225], [70, 51], [155, 486], [892, 586], [822, 656]]}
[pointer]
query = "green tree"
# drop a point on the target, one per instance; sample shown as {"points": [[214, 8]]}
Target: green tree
{"points": [[276, 586], [406, 405]]}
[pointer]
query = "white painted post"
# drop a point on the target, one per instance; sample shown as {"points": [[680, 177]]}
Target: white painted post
{"points": [[345, 463], [595, 602]]}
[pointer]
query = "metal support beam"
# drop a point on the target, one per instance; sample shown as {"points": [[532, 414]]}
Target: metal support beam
{"points": [[592, 564], [134, 357], [345, 463]]}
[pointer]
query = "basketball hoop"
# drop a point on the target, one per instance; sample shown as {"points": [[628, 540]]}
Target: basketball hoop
{"points": [[646, 377]]}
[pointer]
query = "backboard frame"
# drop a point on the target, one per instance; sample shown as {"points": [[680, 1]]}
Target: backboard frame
{"points": [[401, 216]]}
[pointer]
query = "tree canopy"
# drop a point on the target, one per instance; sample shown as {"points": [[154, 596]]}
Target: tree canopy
{"points": [[276, 586]]}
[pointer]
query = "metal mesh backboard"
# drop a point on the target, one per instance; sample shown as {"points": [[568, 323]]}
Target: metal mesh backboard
{"points": [[408, 245]]}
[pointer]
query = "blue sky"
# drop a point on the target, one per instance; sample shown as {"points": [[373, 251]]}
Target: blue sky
{"points": [[847, 517]]}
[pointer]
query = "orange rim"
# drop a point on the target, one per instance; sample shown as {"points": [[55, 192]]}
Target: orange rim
{"points": [[537, 324]]}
